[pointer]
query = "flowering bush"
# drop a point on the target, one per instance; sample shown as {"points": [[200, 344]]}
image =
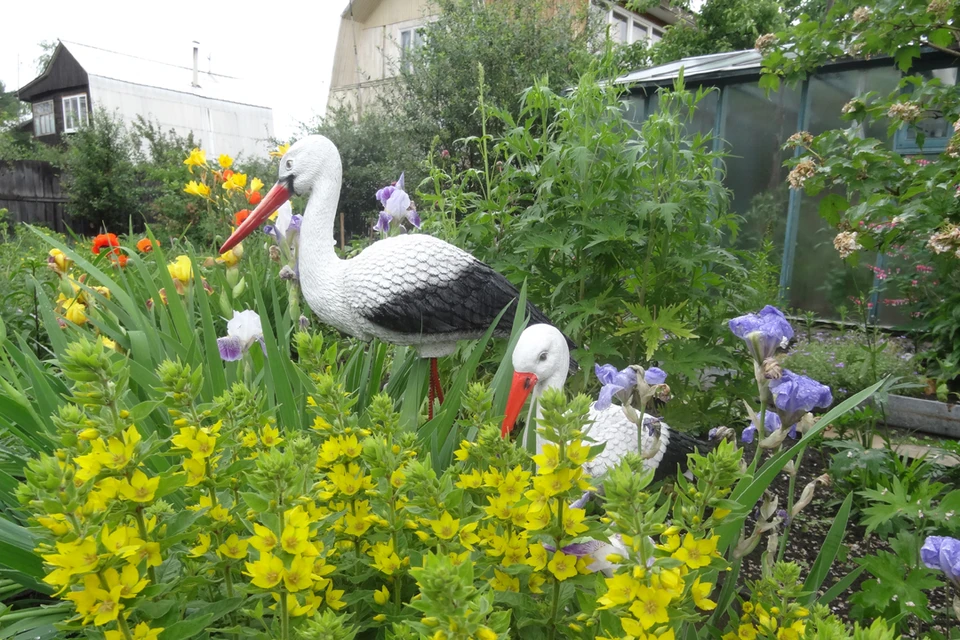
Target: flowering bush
{"points": [[884, 200]]}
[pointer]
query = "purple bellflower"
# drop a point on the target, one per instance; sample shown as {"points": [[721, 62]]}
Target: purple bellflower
{"points": [[654, 376]]}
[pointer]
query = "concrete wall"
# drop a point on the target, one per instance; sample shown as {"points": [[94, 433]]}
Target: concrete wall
{"points": [[217, 126]]}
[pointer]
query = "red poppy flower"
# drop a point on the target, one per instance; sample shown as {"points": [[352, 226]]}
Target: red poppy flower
{"points": [[227, 174], [254, 197], [105, 240], [240, 216]]}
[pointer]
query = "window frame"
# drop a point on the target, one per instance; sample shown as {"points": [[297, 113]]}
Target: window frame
{"points": [[414, 37], [83, 116], [52, 115]]}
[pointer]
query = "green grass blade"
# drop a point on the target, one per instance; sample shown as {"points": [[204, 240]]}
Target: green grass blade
{"points": [[840, 586]]}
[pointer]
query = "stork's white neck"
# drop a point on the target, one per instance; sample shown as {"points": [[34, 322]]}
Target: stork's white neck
{"points": [[318, 263], [316, 233]]}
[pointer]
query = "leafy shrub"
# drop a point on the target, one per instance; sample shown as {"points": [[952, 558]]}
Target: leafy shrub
{"points": [[23, 261], [842, 362]]}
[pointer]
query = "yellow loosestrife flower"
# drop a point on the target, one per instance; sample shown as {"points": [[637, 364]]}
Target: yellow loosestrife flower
{"points": [[204, 545], [701, 595], [696, 553], [298, 576], [445, 527], [267, 572], [504, 582], [270, 436], [650, 607], [233, 547], [140, 488], [382, 595], [562, 566]]}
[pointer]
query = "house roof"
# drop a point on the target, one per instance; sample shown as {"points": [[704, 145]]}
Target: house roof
{"points": [[152, 73], [728, 63]]}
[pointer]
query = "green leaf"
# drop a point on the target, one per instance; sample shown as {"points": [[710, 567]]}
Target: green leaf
{"points": [[255, 501], [828, 550], [832, 207], [905, 56], [186, 629]]}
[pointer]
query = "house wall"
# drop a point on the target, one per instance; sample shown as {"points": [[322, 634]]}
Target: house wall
{"points": [[57, 97], [368, 50], [239, 129]]}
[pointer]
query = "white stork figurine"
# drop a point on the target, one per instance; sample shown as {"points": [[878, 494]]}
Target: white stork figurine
{"points": [[540, 362], [413, 290]]}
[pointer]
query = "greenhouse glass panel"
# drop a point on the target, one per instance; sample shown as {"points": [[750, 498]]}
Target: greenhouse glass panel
{"points": [[754, 129], [821, 281]]}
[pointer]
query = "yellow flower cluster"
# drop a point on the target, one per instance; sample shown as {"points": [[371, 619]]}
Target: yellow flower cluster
{"points": [[760, 622], [98, 566]]}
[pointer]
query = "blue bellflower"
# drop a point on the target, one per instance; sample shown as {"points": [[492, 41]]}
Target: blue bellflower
{"points": [[943, 553]]}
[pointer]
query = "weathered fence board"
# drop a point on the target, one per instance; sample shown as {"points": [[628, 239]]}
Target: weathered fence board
{"points": [[30, 190]]}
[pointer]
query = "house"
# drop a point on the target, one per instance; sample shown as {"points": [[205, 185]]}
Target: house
{"points": [[375, 33], [219, 110], [751, 128]]}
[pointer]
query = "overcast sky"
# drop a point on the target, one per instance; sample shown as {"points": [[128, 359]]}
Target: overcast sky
{"points": [[282, 49]]}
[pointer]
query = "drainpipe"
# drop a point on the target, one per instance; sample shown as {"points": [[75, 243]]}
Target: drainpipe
{"points": [[196, 55]]}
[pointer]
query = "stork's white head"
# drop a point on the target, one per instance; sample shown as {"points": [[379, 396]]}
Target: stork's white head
{"points": [[541, 360], [302, 167]]}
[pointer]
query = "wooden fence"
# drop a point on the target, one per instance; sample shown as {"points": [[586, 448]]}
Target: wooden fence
{"points": [[30, 190]]}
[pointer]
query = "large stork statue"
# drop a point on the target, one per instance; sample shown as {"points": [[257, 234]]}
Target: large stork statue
{"points": [[413, 289], [540, 363]]}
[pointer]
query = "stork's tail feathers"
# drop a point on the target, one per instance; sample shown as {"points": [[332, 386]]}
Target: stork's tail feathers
{"points": [[679, 445]]}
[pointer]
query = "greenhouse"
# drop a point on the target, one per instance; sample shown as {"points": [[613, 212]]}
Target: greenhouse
{"points": [[752, 127]]}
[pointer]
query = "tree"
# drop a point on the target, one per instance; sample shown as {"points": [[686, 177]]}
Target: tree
{"points": [[721, 25], [516, 42], [47, 48]]}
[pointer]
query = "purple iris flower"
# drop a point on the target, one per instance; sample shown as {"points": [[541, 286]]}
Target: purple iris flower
{"points": [[763, 332], [794, 395], [771, 422], [943, 553], [654, 376], [614, 382], [396, 203], [243, 329]]}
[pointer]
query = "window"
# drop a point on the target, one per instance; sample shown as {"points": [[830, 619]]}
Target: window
{"points": [[410, 39], [44, 123], [619, 30], [639, 31], [74, 113]]}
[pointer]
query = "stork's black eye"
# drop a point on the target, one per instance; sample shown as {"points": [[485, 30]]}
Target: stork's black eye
{"points": [[289, 163], [543, 356]]}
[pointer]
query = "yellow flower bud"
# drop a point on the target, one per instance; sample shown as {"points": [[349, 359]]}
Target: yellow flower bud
{"points": [[89, 434], [124, 414]]}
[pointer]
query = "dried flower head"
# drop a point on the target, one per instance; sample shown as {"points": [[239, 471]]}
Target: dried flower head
{"points": [[861, 15], [801, 173], [800, 138], [852, 106], [946, 240], [846, 243], [765, 42], [939, 8], [905, 111]]}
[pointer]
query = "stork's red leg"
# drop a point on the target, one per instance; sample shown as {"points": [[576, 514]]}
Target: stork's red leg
{"points": [[435, 376]]}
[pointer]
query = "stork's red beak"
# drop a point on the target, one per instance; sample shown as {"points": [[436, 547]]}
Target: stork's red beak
{"points": [[270, 203], [523, 384]]}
